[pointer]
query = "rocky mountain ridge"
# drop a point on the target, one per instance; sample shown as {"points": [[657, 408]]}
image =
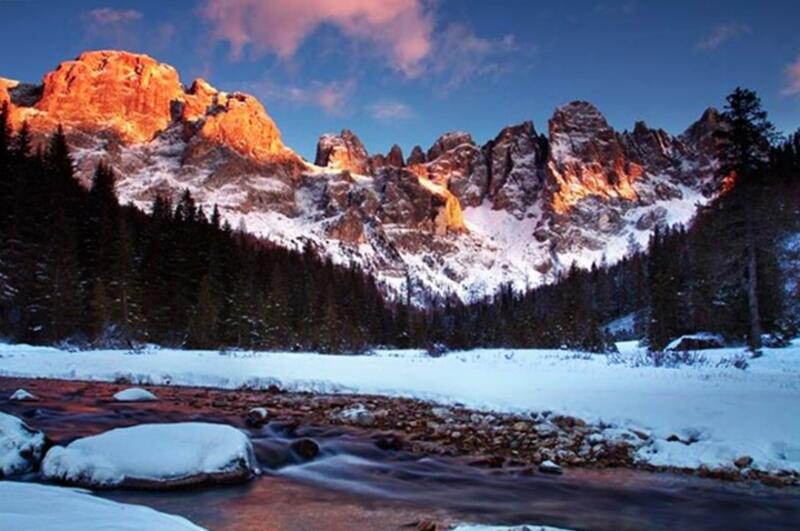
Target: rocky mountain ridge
{"points": [[459, 219]]}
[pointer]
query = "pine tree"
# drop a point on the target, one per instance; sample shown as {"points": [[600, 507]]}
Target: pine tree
{"points": [[744, 148]]}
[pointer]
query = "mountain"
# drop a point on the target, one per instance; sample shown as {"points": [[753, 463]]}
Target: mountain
{"points": [[458, 219]]}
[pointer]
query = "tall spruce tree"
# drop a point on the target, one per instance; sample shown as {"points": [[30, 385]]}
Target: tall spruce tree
{"points": [[744, 149]]}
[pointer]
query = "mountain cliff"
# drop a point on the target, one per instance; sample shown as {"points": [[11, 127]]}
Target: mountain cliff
{"points": [[460, 219]]}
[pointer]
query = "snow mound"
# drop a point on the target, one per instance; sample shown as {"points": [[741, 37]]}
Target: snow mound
{"points": [[155, 456], [21, 447], [135, 394], [22, 394], [31, 506]]}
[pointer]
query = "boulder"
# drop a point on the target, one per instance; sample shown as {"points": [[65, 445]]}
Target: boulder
{"points": [[698, 341], [305, 448], [154, 456], [549, 467], [358, 414]]}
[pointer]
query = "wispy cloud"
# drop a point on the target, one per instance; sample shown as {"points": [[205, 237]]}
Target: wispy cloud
{"points": [[112, 27], [400, 30], [333, 97], [390, 110], [792, 87], [627, 7], [108, 15], [120, 28], [721, 34], [463, 56]]}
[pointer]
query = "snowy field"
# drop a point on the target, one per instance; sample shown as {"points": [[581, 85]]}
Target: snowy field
{"points": [[724, 411]]}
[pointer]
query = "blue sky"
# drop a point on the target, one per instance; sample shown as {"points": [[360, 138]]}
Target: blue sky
{"points": [[406, 71]]}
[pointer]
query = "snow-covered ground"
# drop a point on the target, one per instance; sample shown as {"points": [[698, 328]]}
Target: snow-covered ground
{"points": [[32, 506], [725, 412], [156, 453]]}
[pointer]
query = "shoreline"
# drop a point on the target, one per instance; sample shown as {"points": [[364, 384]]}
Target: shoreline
{"points": [[510, 442]]}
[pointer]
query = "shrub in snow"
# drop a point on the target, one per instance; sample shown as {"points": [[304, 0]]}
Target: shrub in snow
{"points": [[21, 447], [22, 395], [739, 361], [32, 506], [135, 394], [155, 456], [666, 359], [437, 350]]}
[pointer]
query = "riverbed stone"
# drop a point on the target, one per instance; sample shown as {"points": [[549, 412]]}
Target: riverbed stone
{"points": [[549, 467], [305, 448]]}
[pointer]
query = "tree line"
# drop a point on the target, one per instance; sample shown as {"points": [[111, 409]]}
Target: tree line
{"points": [[77, 267], [722, 275]]}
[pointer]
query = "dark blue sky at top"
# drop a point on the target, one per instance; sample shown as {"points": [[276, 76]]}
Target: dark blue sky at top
{"points": [[488, 64]]}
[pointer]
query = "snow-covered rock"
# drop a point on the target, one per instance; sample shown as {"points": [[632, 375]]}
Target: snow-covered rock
{"points": [[154, 456], [22, 395], [21, 447], [358, 414], [257, 417], [549, 467], [32, 506], [699, 341], [134, 394]]}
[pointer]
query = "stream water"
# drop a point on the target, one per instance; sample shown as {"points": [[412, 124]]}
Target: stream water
{"points": [[354, 484]]}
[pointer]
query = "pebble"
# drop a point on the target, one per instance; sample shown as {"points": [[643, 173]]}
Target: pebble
{"points": [[549, 467]]}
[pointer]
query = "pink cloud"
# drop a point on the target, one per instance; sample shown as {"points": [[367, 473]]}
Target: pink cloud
{"points": [[792, 87], [401, 30]]}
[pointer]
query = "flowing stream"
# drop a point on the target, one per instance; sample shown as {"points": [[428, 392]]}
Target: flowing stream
{"points": [[355, 484]]}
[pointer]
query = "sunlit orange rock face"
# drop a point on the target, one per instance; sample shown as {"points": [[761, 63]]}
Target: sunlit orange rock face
{"points": [[127, 93], [235, 120], [135, 97], [588, 158]]}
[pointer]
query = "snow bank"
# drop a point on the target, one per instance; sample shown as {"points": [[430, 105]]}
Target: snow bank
{"points": [[154, 456], [135, 394], [31, 506], [21, 447], [753, 412]]}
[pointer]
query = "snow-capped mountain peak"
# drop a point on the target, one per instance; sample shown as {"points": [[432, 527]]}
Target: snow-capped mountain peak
{"points": [[459, 219]]}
